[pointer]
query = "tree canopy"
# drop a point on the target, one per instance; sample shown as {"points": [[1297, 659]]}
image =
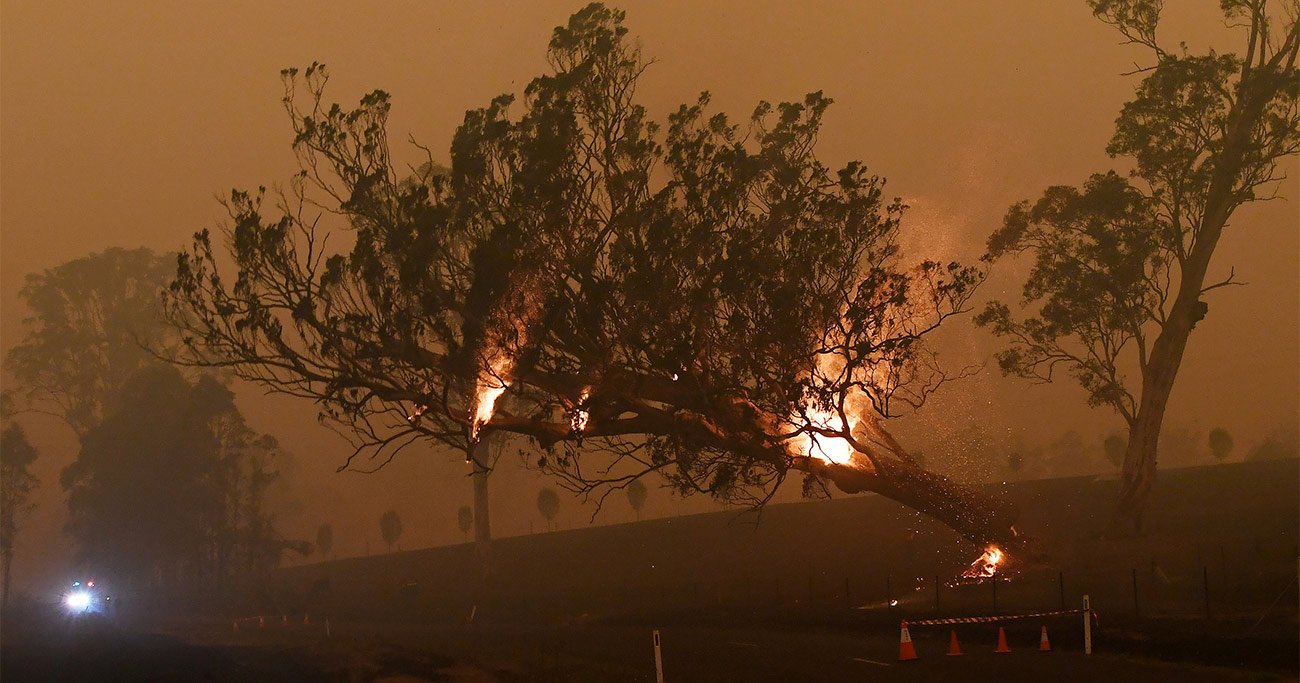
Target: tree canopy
{"points": [[705, 300], [93, 322]]}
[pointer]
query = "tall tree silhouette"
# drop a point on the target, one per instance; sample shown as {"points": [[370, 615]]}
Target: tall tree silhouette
{"points": [[16, 486], [1121, 266]]}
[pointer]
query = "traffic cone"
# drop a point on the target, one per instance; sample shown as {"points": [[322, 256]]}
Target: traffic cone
{"points": [[954, 648], [1044, 645], [1002, 641], [906, 651]]}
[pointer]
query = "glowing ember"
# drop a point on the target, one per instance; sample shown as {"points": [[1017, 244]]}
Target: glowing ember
{"points": [[415, 414], [985, 565]]}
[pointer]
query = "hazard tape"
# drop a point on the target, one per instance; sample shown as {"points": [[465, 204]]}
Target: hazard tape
{"points": [[1004, 617]]}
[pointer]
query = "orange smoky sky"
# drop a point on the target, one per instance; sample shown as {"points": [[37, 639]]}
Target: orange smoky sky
{"points": [[120, 122]]}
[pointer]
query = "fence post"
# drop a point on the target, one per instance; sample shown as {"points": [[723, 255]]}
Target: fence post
{"points": [[1137, 611]]}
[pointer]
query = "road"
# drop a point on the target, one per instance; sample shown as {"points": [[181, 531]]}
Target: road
{"points": [[210, 650]]}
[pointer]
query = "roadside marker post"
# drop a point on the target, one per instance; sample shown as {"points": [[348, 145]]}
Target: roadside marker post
{"points": [[659, 660], [1087, 626]]}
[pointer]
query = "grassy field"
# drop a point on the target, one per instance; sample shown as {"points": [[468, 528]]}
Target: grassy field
{"points": [[1231, 529]]}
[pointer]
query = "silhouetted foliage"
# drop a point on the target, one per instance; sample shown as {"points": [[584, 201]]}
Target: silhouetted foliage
{"points": [[465, 519], [1273, 448], [548, 503], [390, 528], [1220, 443], [707, 301], [1120, 264], [325, 540], [16, 486], [636, 494], [171, 485], [91, 320], [1114, 446]]}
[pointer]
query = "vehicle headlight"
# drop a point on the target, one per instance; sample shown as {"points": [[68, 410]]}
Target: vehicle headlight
{"points": [[78, 600]]}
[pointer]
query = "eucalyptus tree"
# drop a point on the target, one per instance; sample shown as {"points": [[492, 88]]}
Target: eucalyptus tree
{"points": [[1121, 265], [705, 300]]}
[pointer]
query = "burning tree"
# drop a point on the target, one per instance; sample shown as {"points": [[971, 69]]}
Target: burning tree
{"points": [[1121, 265], [708, 302]]}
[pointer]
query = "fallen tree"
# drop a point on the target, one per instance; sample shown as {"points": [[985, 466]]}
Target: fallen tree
{"points": [[709, 302]]}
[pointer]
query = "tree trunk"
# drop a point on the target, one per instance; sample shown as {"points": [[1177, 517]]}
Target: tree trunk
{"points": [[482, 523], [978, 517], [1139, 471]]}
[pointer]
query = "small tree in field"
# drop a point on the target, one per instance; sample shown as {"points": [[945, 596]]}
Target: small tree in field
{"points": [[1121, 265], [1114, 446], [325, 540], [548, 503], [465, 519], [636, 494], [1220, 444], [390, 529]]}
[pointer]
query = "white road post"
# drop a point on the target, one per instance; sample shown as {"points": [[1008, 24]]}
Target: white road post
{"points": [[1087, 626], [659, 660]]}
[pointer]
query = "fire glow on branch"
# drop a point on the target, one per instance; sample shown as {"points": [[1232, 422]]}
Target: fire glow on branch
{"points": [[814, 419]]}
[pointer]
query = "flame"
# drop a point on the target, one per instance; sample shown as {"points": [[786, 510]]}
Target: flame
{"points": [[985, 565], [581, 416], [492, 382], [834, 450], [830, 449]]}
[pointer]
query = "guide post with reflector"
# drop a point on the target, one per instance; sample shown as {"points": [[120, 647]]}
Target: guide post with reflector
{"points": [[1087, 626], [659, 660]]}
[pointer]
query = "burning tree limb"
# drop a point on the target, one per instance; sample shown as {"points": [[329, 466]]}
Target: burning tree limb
{"points": [[711, 304]]}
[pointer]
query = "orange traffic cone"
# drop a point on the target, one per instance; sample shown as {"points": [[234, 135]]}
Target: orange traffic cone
{"points": [[906, 651], [954, 648], [1044, 645], [1002, 641]]}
